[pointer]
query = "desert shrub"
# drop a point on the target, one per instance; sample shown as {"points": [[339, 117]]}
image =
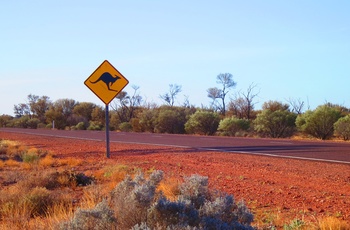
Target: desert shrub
{"points": [[171, 120], [38, 201], [125, 127], [202, 122], [136, 126], [30, 157], [41, 126], [231, 126], [33, 123], [318, 123], [132, 197], [148, 120], [101, 217], [80, 126], [5, 120], [137, 205], [12, 150], [21, 122], [82, 180], [275, 124], [94, 126], [342, 127]]}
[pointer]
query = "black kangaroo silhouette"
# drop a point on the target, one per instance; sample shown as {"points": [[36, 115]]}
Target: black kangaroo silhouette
{"points": [[108, 79]]}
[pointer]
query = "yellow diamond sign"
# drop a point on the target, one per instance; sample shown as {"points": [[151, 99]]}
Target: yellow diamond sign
{"points": [[106, 82]]}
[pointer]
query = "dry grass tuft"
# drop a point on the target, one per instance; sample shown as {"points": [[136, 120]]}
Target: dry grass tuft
{"points": [[12, 163], [47, 161], [333, 223], [169, 188], [72, 162]]}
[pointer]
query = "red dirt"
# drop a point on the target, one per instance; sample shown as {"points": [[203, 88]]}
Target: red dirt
{"points": [[272, 188]]}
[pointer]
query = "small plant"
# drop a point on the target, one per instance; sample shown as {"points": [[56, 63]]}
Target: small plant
{"points": [[101, 217], [294, 225], [38, 201], [30, 157]]}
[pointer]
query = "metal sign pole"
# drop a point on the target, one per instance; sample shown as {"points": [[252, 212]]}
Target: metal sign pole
{"points": [[107, 131]]}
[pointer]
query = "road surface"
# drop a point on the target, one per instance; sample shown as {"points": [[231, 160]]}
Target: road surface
{"points": [[337, 152]]}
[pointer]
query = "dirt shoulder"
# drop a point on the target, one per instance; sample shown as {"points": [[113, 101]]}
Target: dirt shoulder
{"points": [[273, 188]]}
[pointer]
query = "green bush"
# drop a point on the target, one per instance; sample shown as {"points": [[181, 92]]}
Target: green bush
{"points": [[232, 126], [202, 122], [80, 126], [21, 122], [33, 123], [95, 126], [148, 119], [30, 157], [171, 120], [342, 127], [136, 126], [125, 127], [275, 124], [319, 123], [5, 120]]}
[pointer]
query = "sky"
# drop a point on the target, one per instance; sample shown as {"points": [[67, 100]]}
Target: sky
{"points": [[291, 49]]}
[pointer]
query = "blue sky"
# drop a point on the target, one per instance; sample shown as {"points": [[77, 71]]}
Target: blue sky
{"points": [[291, 49]]}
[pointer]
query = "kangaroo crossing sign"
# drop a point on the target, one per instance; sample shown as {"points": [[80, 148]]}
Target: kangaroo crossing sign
{"points": [[106, 82]]}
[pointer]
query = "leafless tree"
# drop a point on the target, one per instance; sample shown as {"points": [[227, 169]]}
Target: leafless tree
{"points": [[227, 82], [243, 105], [125, 105], [170, 96], [296, 104], [214, 93]]}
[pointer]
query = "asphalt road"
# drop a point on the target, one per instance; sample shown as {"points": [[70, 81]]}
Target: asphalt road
{"points": [[336, 152]]}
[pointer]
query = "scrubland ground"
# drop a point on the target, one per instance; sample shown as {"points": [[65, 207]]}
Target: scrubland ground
{"points": [[279, 192]]}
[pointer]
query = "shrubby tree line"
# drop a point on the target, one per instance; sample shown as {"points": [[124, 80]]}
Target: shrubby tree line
{"points": [[233, 116]]}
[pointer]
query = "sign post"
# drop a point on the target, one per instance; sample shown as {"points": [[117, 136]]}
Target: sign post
{"points": [[106, 82], [107, 133]]}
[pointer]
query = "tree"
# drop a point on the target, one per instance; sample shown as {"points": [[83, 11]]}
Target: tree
{"points": [[148, 119], [202, 122], [34, 108], [297, 105], [126, 106], [84, 110], [21, 109], [214, 93], [275, 120], [67, 108], [274, 106], [55, 114], [98, 116], [39, 106], [342, 127], [170, 96], [320, 122], [227, 82], [243, 105]]}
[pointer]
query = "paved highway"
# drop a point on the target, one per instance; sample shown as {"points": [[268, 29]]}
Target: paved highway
{"points": [[337, 152]]}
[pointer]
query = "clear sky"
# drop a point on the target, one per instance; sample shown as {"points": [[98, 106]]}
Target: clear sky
{"points": [[290, 48]]}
